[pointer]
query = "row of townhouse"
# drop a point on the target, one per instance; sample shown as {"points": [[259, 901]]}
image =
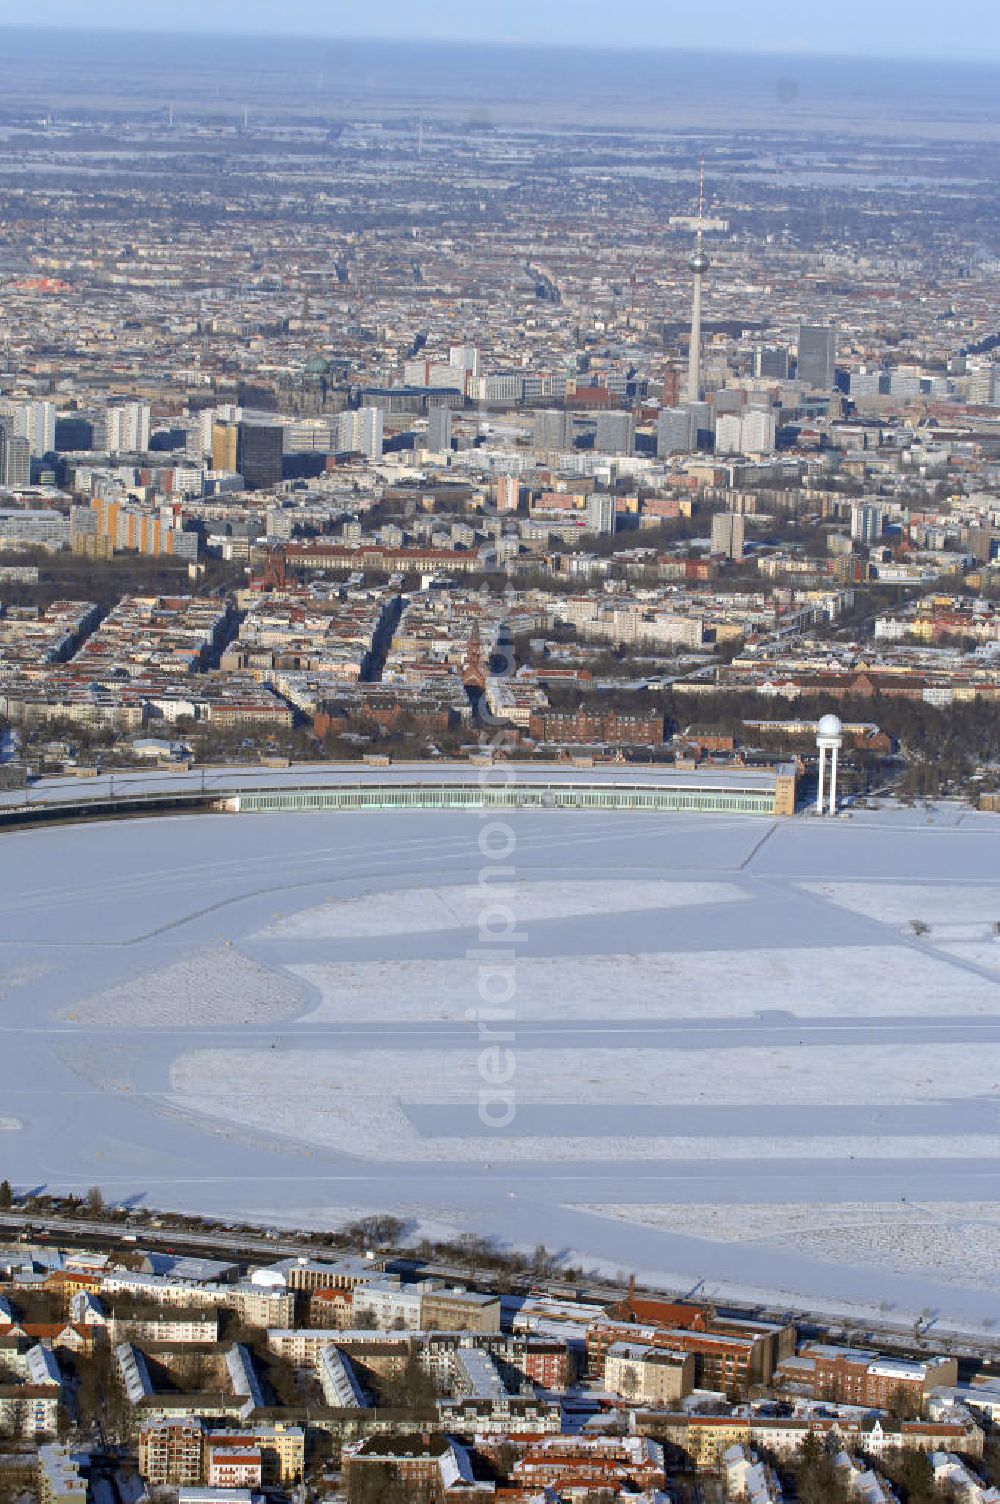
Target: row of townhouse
{"points": [[435, 1468], [29, 1410], [589, 1464], [951, 1472], [143, 1321], [501, 1416], [489, 1395], [389, 1307], [747, 1478], [862, 1483], [66, 1336], [706, 1438], [376, 556], [61, 1478], [252, 1303], [546, 1362]]}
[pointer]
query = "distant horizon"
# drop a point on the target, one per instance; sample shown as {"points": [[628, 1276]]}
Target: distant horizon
{"points": [[250, 21]]}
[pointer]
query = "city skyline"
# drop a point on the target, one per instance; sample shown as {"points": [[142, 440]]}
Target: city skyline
{"points": [[499, 750], [893, 32]]}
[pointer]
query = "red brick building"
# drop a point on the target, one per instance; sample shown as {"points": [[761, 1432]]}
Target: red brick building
{"points": [[853, 1376], [731, 1356], [588, 727], [546, 1363]]}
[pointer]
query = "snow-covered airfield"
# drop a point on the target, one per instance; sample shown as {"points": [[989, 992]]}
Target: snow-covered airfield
{"points": [[737, 1060]]}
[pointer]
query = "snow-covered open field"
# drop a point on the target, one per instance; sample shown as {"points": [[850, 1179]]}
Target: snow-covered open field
{"points": [[733, 1055]]}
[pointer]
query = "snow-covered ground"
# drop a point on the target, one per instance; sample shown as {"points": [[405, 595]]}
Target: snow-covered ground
{"points": [[810, 982], [620, 1103], [411, 912], [959, 1241], [212, 985], [732, 1055], [969, 908]]}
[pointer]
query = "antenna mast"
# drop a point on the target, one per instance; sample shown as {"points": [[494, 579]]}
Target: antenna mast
{"points": [[699, 264], [701, 203]]}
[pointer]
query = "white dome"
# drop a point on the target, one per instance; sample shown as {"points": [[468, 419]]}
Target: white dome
{"points": [[830, 725]]}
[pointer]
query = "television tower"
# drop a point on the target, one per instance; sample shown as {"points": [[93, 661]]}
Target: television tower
{"points": [[699, 264]]}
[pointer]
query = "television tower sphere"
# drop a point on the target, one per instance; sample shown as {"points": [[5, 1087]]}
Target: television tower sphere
{"points": [[830, 725], [699, 262]]}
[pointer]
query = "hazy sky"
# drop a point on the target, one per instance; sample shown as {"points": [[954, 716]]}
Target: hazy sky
{"points": [[862, 27], [885, 28]]}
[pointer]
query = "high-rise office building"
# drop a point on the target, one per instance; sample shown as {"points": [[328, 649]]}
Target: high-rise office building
{"points": [[308, 436], [701, 418], [866, 522], [200, 434], [372, 432], [259, 448], [508, 493], [225, 437], [439, 429], [36, 422], [126, 428], [983, 544], [904, 384], [729, 434], [869, 384], [615, 433], [982, 386], [74, 432], [600, 513], [465, 359], [771, 363], [728, 400], [758, 429], [15, 456], [439, 375], [361, 432], [817, 356], [675, 432], [750, 431], [553, 429], [727, 534]]}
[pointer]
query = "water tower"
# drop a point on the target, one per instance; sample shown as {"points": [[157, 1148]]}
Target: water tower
{"points": [[829, 738]]}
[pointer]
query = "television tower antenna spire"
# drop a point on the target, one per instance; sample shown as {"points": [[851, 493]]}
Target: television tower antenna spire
{"points": [[699, 264]]}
